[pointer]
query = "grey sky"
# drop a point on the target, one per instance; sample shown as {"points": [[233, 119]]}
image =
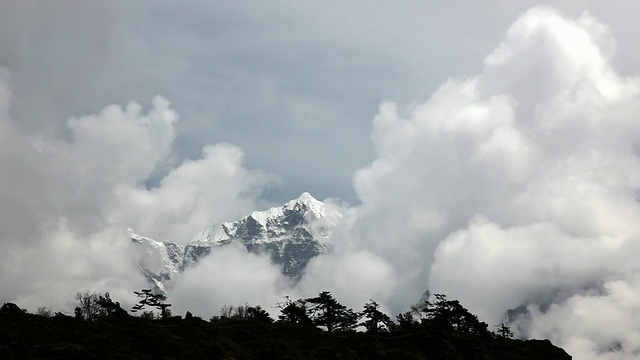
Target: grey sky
{"points": [[480, 149], [294, 85]]}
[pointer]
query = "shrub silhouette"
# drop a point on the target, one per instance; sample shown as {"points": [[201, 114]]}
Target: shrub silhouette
{"points": [[11, 308], [93, 306]]}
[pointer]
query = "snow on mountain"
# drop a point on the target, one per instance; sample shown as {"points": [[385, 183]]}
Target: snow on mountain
{"points": [[292, 234], [160, 260]]}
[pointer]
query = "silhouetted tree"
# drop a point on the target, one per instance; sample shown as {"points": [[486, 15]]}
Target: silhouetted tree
{"points": [[243, 312], [257, 313], [94, 305], [152, 300], [406, 321], [227, 312], [328, 312], [88, 307], [295, 312], [450, 315], [411, 319], [504, 331], [109, 307], [375, 320], [230, 312]]}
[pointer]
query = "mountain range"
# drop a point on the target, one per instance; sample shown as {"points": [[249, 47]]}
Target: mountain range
{"points": [[291, 234]]}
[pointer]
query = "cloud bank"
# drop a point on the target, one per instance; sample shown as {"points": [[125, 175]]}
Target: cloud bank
{"points": [[514, 187], [66, 203], [230, 276]]}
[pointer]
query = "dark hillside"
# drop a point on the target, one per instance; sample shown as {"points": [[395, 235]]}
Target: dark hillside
{"points": [[28, 336]]}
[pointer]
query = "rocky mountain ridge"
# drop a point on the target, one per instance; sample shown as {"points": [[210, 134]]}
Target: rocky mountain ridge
{"points": [[291, 234]]}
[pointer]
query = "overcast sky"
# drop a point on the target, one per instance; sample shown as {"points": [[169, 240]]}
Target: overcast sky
{"points": [[294, 84], [487, 150]]}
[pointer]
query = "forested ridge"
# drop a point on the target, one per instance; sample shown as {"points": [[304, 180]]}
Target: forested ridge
{"points": [[313, 328]]}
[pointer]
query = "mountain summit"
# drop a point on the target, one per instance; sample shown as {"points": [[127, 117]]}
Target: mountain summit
{"points": [[291, 234]]}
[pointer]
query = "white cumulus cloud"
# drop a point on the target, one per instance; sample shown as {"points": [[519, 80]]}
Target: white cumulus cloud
{"points": [[67, 201], [514, 187]]}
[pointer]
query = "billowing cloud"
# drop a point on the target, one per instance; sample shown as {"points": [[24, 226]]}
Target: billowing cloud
{"points": [[514, 187], [594, 325], [230, 276], [67, 202]]}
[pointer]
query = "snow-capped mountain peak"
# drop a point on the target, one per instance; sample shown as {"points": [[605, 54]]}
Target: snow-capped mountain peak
{"points": [[292, 234], [306, 203]]}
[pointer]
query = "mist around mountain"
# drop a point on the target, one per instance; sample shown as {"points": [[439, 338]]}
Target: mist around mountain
{"points": [[312, 328], [291, 235]]}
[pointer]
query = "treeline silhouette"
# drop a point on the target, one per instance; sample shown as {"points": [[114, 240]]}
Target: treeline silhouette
{"points": [[313, 328]]}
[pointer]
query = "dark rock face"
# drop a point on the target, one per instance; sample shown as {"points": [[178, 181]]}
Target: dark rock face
{"points": [[249, 230], [193, 253]]}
